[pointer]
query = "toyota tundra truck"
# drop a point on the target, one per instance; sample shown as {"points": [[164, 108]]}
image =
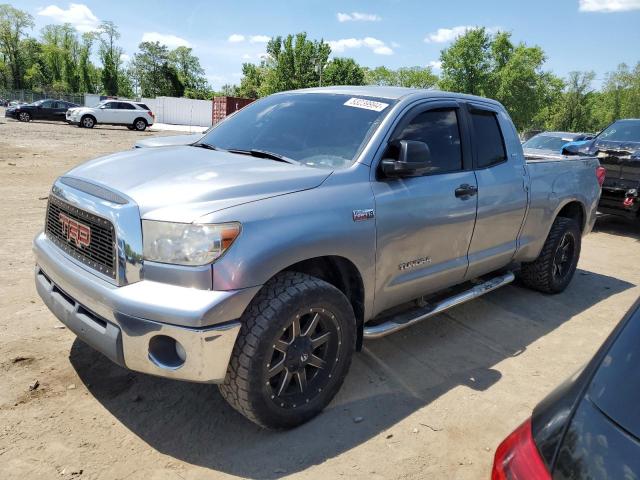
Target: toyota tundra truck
{"points": [[261, 256]]}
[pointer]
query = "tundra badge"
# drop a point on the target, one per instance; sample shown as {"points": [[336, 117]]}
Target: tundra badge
{"points": [[360, 215]]}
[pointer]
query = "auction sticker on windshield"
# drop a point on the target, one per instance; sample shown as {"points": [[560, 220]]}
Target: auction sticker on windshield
{"points": [[366, 104]]}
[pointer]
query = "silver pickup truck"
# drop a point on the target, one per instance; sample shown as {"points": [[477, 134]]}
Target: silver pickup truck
{"points": [[261, 256]]}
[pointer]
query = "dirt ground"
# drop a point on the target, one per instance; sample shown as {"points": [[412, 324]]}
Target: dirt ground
{"points": [[434, 400]]}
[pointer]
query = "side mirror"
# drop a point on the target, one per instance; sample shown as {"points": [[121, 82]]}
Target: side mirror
{"points": [[571, 150], [414, 159]]}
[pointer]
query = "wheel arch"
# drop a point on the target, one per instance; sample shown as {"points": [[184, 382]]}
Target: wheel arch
{"points": [[84, 115], [575, 210], [343, 274]]}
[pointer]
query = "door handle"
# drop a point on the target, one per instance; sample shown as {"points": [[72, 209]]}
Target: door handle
{"points": [[466, 190]]}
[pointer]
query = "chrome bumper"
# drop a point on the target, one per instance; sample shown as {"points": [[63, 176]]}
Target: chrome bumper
{"points": [[139, 325]]}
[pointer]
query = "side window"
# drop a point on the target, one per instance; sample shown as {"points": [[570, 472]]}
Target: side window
{"points": [[489, 144], [126, 106], [110, 105], [439, 130], [47, 104]]}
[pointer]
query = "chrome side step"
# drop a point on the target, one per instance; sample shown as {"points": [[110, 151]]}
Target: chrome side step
{"points": [[405, 320]]}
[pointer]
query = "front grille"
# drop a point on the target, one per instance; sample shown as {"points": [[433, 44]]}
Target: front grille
{"points": [[100, 253]]}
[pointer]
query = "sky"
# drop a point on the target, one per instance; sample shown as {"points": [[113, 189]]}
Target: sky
{"points": [[583, 35]]}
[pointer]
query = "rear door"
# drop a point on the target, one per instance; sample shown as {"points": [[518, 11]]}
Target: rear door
{"points": [[58, 110], [502, 198], [424, 224], [126, 113]]}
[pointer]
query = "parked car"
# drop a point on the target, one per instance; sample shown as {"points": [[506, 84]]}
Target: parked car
{"points": [[133, 115], [618, 149], [588, 427], [551, 143], [41, 110], [299, 226]]}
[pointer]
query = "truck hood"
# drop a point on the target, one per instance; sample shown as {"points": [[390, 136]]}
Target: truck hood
{"points": [[180, 184], [169, 141]]}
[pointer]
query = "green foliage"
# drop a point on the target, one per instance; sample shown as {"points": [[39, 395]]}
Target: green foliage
{"points": [[13, 26], [343, 71], [466, 64], [190, 73], [293, 62], [155, 73], [478, 62]]}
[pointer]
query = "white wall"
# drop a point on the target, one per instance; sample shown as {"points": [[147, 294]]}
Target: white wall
{"points": [[180, 111]]}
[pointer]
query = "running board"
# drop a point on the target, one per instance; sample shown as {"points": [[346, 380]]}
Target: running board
{"points": [[405, 320]]}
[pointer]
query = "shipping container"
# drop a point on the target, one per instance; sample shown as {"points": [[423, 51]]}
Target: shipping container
{"points": [[223, 106]]}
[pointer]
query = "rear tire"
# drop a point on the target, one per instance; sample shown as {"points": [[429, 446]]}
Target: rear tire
{"points": [[554, 268], [140, 124], [293, 351]]}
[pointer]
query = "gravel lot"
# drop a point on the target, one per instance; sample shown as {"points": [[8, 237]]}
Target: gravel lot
{"points": [[432, 401]]}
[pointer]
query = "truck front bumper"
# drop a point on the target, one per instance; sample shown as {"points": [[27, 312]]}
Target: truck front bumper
{"points": [[151, 327]]}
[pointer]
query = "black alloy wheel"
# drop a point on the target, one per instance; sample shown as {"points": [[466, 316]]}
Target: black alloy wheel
{"points": [[303, 358]]}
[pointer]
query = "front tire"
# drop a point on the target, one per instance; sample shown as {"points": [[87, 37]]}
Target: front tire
{"points": [[293, 351], [87, 122], [554, 268], [24, 117]]}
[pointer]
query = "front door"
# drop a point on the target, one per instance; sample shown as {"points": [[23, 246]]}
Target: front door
{"points": [[424, 224]]}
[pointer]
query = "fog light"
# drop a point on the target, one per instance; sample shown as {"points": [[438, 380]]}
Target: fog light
{"points": [[166, 352]]}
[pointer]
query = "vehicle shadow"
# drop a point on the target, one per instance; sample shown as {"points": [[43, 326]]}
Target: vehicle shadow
{"points": [[389, 380], [619, 226]]}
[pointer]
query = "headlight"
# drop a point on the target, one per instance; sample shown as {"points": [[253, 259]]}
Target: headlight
{"points": [[186, 243]]}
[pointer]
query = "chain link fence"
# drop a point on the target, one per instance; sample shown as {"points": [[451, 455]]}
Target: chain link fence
{"points": [[28, 96]]}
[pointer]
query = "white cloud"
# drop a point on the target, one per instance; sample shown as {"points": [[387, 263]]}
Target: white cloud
{"points": [[78, 15], [170, 41], [608, 5], [235, 38], [435, 64], [246, 56], [124, 57], [358, 17], [377, 46], [259, 38], [444, 35]]}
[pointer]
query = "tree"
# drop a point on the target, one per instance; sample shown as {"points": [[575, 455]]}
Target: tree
{"points": [[110, 56], [13, 26], [466, 64], [381, 76], [573, 110], [293, 62], [343, 71], [190, 72], [416, 77], [155, 74], [251, 81]]}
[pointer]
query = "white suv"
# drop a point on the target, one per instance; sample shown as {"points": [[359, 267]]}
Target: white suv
{"points": [[135, 116]]}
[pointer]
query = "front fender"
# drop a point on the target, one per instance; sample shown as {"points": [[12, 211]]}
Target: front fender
{"points": [[280, 231]]}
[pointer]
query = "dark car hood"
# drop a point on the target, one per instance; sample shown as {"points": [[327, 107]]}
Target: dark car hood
{"points": [[183, 183]]}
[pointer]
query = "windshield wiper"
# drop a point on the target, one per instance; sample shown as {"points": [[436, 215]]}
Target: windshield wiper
{"points": [[204, 145], [264, 154]]}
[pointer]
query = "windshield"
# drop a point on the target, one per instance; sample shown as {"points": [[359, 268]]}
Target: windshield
{"points": [[316, 129], [546, 142], [625, 131]]}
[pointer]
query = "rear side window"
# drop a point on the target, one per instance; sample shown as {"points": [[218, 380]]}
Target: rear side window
{"points": [[488, 141], [126, 106], [142, 106], [439, 130]]}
